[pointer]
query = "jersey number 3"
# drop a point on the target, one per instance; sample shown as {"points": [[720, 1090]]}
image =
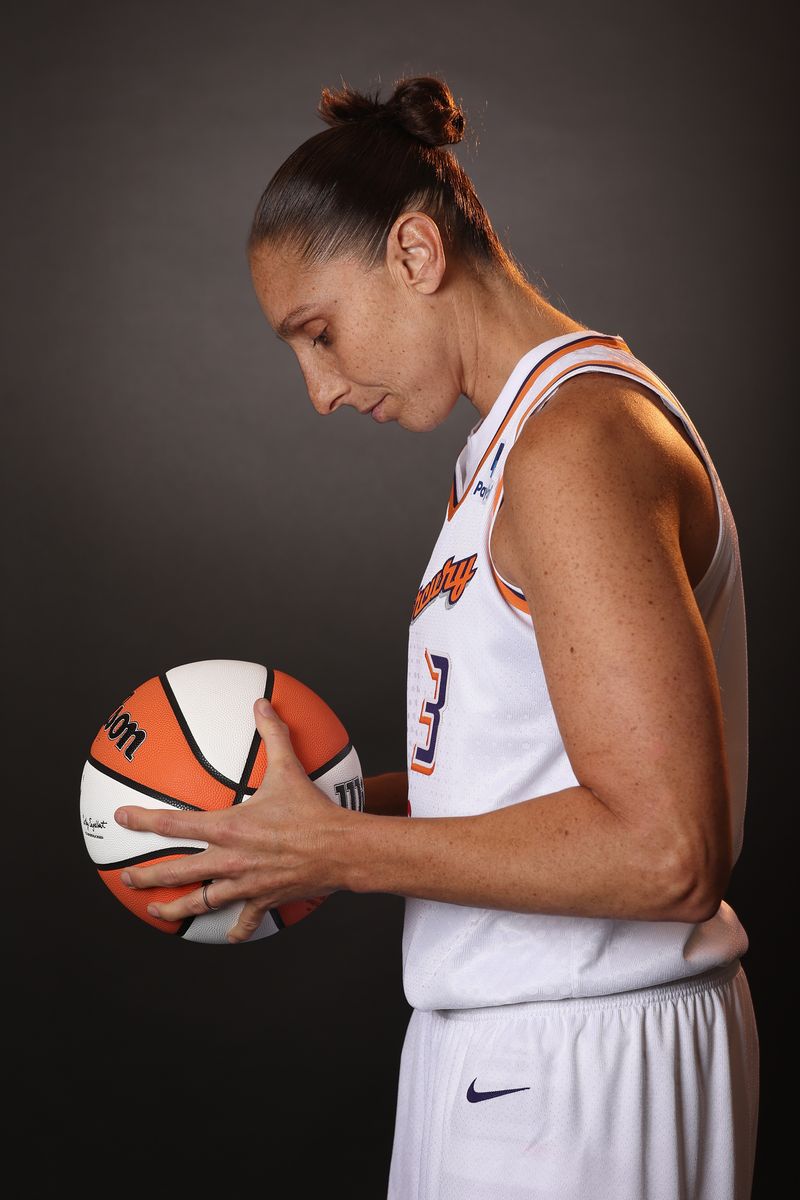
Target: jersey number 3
{"points": [[423, 757]]}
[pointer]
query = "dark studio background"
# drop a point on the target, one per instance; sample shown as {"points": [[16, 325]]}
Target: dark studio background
{"points": [[171, 495]]}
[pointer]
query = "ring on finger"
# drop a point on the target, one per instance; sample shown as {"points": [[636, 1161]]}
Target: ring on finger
{"points": [[211, 907]]}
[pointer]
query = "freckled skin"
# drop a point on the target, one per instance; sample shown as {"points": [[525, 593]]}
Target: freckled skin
{"points": [[419, 327]]}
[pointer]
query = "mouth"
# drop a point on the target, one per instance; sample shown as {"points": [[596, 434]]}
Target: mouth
{"points": [[377, 409]]}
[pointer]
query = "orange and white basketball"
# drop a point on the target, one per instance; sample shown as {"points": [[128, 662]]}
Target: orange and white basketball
{"points": [[187, 739]]}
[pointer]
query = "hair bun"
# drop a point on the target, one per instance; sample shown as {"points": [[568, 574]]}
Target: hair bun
{"points": [[422, 105]]}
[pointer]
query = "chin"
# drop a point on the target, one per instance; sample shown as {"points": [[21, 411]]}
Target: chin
{"points": [[425, 422]]}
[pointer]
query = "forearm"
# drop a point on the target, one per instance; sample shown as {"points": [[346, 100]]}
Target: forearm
{"points": [[387, 794], [563, 853]]}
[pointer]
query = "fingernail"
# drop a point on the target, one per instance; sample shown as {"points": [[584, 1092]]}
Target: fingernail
{"points": [[231, 939], [126, 878], [121, 817], [263, 706], [151, 908]]}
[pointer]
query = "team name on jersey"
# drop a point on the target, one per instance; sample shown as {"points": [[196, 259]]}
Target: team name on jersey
{"points": [[451, 579]]}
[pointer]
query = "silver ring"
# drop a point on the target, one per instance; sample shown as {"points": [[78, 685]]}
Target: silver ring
{"points": [[211, 907]]}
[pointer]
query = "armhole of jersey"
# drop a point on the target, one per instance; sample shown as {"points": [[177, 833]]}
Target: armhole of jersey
{"points": [[707, 584], [513, 596], [706, 587]]}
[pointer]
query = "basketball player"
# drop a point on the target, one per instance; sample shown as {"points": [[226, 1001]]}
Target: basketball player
{"points": [[582, 1026]]}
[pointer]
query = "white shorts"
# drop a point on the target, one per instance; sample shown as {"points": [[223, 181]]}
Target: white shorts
{"points": [[649, 1094]]}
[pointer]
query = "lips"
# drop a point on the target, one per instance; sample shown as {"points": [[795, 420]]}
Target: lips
{"points": [[377, 410]]}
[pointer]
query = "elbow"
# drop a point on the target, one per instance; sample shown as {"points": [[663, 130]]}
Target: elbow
{"points": [[701, 906], [697, 891]]}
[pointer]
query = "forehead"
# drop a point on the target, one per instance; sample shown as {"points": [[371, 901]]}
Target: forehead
{"points": [[287, 287]]}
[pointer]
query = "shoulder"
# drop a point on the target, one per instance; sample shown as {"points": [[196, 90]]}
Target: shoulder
{"points": [[598, 424], [598, 455]]}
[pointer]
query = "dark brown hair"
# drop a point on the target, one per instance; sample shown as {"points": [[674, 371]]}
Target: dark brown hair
{"points": [[340, 192]]}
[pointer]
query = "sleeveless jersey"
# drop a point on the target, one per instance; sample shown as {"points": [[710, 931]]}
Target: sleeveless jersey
{"points": [[482, 733]]}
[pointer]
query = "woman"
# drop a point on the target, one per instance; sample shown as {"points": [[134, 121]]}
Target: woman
{"points": [[577, 704]]}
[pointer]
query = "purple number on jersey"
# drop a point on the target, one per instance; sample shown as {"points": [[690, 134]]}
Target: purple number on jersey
{"points": [[423, 758]]}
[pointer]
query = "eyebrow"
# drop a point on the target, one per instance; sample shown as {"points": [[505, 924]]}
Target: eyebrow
{"points": [[292, 319]]}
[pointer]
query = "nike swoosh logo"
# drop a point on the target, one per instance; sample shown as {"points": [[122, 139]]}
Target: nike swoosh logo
{"points": [[474, 1097]]}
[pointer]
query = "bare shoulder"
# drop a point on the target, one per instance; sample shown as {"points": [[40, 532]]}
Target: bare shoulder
{"points": [[602, 431], [611, 413], [596, 447]]}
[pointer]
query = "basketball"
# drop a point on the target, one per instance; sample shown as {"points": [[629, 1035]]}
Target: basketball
{"points": [[187, 739]]}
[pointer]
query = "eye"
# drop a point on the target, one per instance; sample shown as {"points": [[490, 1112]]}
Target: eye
{"points": [[321, 337]]}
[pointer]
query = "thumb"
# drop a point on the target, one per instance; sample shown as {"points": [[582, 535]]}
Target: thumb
{"points": [[274, 732]]}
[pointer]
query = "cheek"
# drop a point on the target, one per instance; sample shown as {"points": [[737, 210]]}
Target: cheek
{"points": [[372, 355], [393, 349]]}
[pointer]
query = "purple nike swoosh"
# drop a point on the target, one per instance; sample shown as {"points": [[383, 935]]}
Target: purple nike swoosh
{"points": [[474, 1097]]}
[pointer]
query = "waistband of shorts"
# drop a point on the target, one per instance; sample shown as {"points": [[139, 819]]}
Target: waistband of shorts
{"points": [[715, 977]]}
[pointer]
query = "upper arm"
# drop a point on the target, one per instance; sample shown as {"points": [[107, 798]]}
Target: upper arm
{"points": [[593, 517]]}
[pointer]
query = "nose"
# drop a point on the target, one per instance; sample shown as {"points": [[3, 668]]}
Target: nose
{"points": [[326, 400], [326, 391]]}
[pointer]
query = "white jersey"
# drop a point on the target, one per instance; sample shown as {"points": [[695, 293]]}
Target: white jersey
{"points": [[482, 732]]}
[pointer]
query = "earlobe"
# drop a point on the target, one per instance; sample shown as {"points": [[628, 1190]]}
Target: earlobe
{"points": [[415, 252]]}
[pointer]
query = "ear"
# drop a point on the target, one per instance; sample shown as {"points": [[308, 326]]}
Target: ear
{"points": [[414, 252]]}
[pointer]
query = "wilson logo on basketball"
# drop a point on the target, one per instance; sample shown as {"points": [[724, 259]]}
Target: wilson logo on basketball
{"points": [[123, 730], [451, 579], [350, 794]]}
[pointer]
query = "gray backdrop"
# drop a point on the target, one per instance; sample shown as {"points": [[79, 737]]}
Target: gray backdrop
{"points": [[171, 495]]}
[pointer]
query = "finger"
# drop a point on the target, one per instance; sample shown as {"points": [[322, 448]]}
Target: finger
{"points": [[193, 904], [275, 734], [250, 918], [175, 872], [168, 822]]}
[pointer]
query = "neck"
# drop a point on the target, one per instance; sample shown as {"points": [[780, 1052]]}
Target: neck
{"points": [[498, 322]]}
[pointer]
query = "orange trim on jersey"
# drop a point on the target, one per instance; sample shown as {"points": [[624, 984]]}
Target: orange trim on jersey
{"points": [[514, 597], [647, 376], [511, 596], [453, 505]]}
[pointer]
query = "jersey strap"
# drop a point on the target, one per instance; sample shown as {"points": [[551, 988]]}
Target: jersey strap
{"points": [[532, 390], [524, 405]]}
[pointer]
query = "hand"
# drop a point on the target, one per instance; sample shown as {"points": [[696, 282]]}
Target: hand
{"points": [[274, 847]]}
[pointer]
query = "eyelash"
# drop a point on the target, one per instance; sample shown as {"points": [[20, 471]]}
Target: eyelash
{"points": [[324, 334]]}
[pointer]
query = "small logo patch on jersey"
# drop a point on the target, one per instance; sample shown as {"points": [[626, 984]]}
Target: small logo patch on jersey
{"points": [[451, 579], [484, 490], [496, 457], [475, 1097]]}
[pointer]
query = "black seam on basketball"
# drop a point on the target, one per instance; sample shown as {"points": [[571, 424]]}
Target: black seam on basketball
{"points": [[184, 926], [187, 733], [276, 916], [337, 758], [140, 858], [242, 789], [141, 787]]}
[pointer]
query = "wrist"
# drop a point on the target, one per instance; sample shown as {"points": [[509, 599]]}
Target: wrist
{"points": [[341, 851], [351, 849]]}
